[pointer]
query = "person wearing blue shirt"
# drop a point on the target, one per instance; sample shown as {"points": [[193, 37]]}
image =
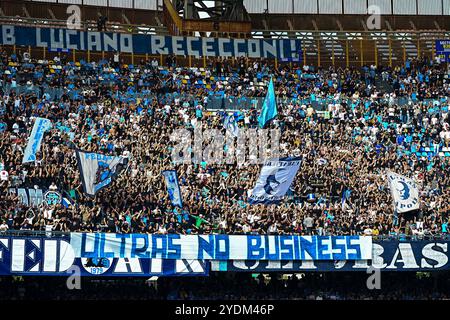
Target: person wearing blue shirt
{"points": [[408, 65], [400, 139], [445, 227], [378, 148]]}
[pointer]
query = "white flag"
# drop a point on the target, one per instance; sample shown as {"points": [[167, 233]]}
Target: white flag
{"points": [[274, 181], [404, 191]]}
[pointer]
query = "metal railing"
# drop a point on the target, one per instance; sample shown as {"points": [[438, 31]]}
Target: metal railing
{"points": [[34, 233], [85, 25], [379, 238], [307, 35]]}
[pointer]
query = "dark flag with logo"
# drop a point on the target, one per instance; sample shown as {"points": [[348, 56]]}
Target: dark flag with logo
{"points": [[98, 170]]}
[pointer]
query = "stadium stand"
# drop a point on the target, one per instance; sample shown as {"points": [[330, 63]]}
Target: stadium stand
{"points": [[355, 106], [371, 131]]}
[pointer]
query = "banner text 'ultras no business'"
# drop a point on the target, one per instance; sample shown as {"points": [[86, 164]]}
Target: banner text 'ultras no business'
{"points": [[221, 247]]}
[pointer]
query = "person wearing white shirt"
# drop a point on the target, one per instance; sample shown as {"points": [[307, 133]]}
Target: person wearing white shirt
{"points": [[134, 172], [3, 227], [246, 228], [194, 122], [4, 175], [15, 127], [162, 229], [186, 118], [434, 120], [48, 214], [272, 228]]}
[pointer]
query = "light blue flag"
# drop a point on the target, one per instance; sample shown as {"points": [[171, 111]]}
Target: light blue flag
{"points": [[269, 109], [274, 181], [34, 141], [173, 187]]}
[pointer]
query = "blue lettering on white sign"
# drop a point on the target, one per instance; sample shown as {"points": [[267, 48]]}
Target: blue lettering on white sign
{"points": [[285, 49], [221, 247]]}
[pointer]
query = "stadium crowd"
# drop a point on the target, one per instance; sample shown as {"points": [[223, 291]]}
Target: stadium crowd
{"points": [[349, 126]]}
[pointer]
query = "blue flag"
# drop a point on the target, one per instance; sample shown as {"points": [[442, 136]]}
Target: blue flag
{"points": [[274, 181], [173, 187], [269, 109], [66, 202], [34, 141]]}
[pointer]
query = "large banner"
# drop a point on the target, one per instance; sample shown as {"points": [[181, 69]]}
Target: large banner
{"points": [[29, 196], [151, 44], [220, 247], [34, 197], [55, 257], [386, 255]]}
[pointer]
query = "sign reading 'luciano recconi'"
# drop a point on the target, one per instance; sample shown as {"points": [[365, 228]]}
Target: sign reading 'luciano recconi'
{"points": [[149, 44]]}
